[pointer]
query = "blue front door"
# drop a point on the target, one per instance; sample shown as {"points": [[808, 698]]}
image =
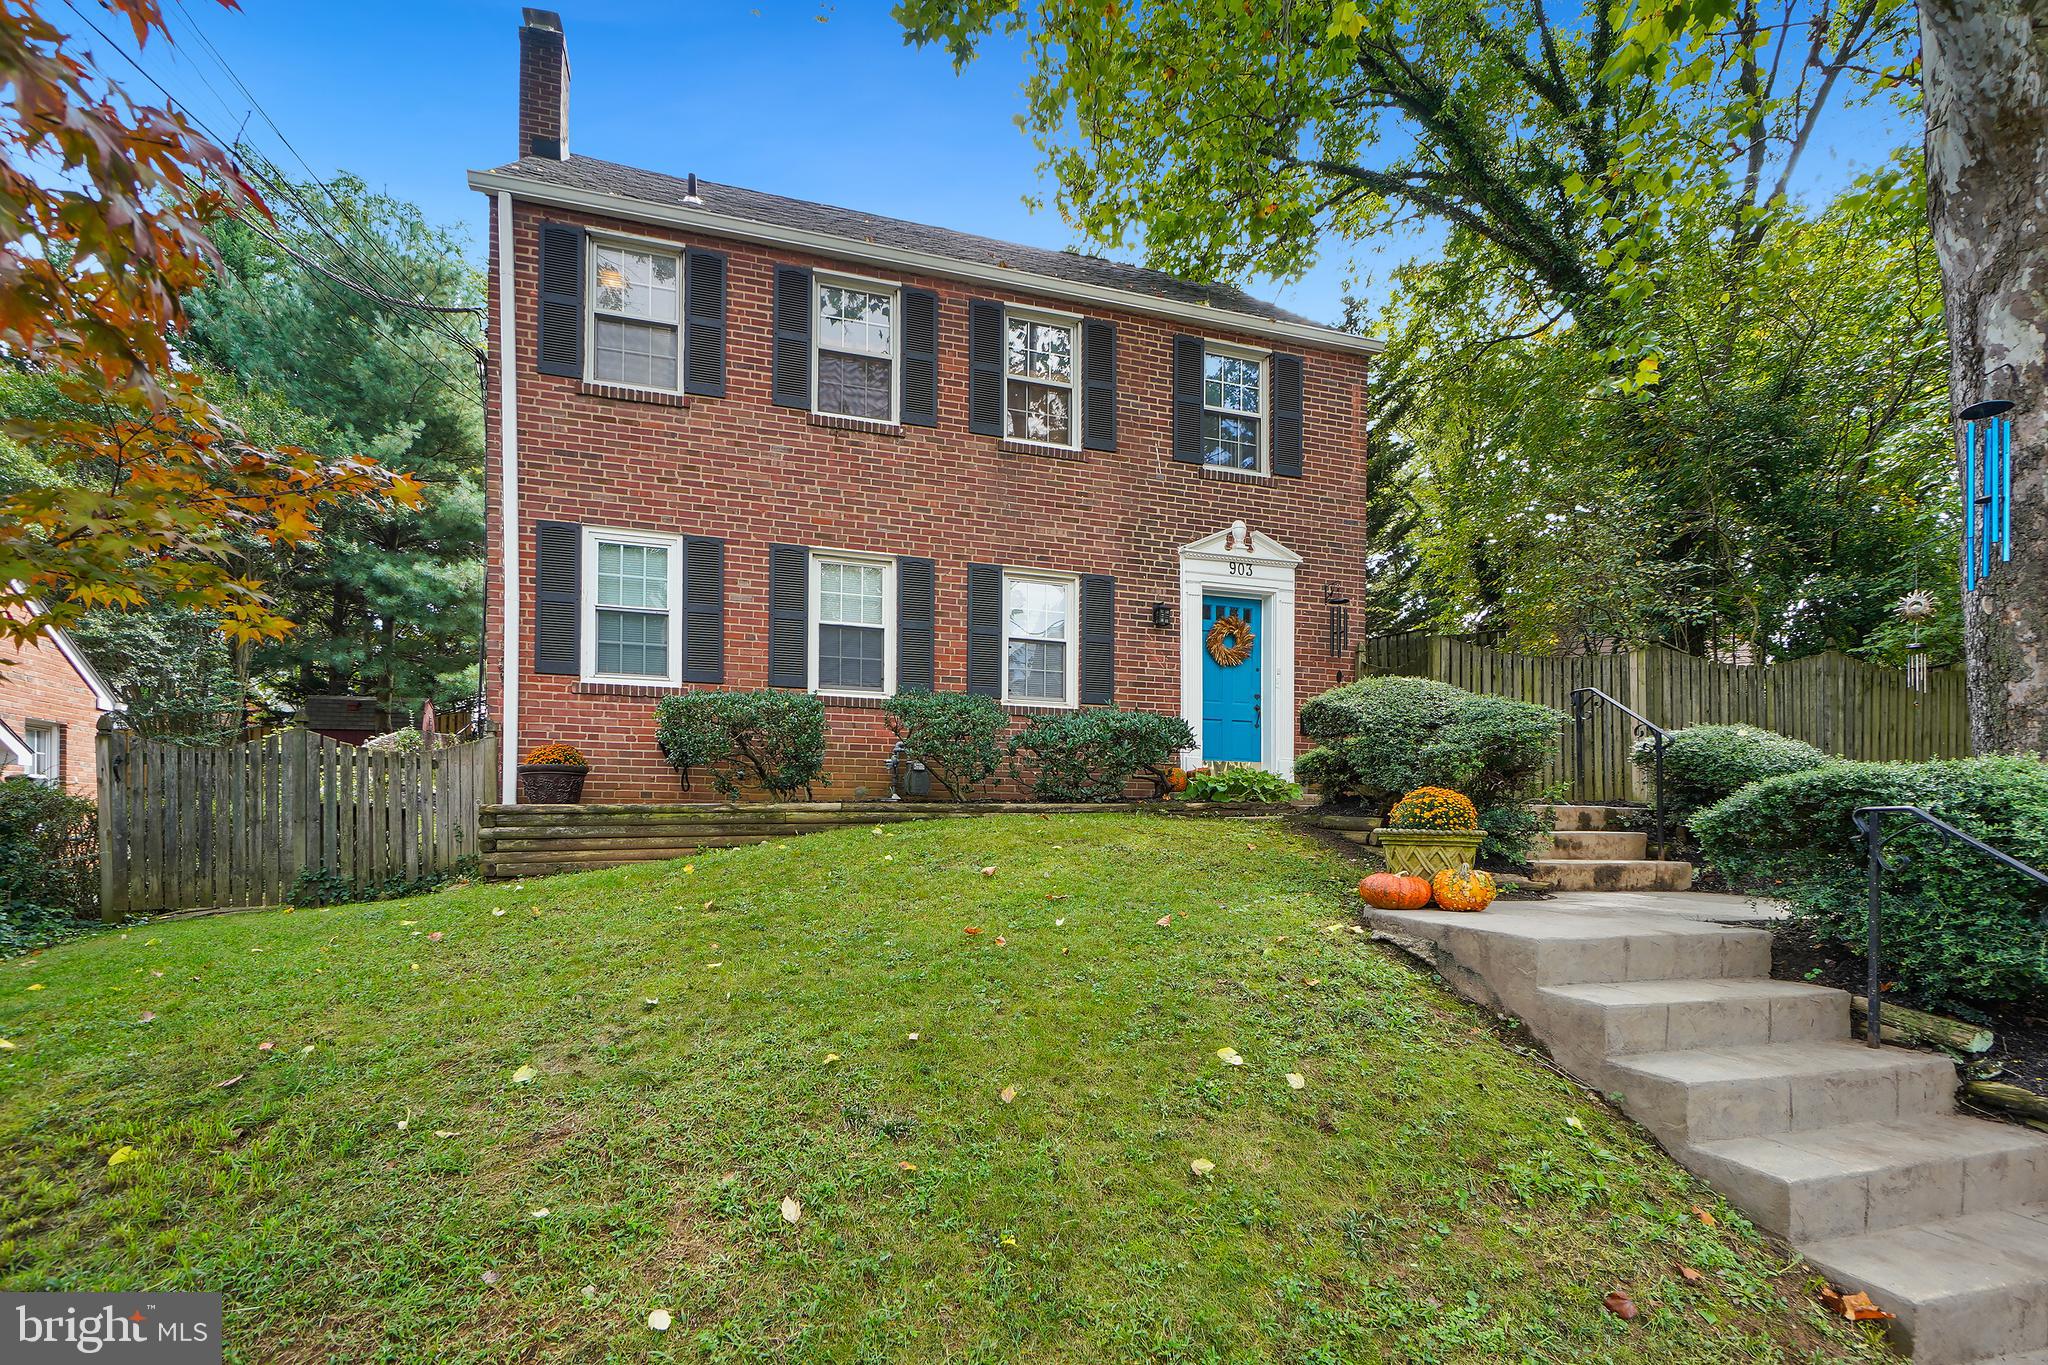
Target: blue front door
{"points": [[1230, 695]]}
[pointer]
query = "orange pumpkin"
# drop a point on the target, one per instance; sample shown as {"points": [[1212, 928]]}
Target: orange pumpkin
{"points": [[1176, 779], [1394, 891], [1467, 888]]}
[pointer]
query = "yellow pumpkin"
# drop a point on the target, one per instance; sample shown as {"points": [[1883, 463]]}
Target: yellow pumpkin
{"points": [[1466, 888], [1394, 891]]}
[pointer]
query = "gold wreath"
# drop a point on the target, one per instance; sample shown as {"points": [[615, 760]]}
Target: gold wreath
{"points": [[1231, 640]]}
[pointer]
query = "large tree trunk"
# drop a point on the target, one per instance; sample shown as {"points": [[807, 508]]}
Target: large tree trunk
{"points": [[1985, 64]]}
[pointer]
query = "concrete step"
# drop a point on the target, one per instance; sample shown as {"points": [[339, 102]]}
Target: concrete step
{"points": [[1614, 1019], [1520, 948], [1589, 817], [1869, 1177], [1597, 844], [1704, 1094], [1964, 1289], [1612, 874], [1333, 821]]}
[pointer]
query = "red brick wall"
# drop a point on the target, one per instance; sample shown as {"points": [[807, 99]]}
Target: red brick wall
{"points": [[39, 684], [741, 469]]}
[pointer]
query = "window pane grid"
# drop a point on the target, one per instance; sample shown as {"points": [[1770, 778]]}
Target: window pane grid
{"points": [[1036, 625], [1229, 441], [854, 321], [632, 576], [850, 658], [633, 643], [636, 284], [1038, 412], [1231, 383], [1038, 671], [631, 610], [637, 353], [850, 594]]}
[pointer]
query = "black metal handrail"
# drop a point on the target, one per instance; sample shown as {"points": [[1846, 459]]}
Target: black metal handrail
{"points": [[1870, 823], [1657, 734]]}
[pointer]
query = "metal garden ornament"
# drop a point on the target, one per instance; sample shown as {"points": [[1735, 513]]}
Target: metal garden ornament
{"points": [[1987, 488]]}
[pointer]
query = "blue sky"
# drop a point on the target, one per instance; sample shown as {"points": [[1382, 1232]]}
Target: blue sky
{"points": [[757, 92]]}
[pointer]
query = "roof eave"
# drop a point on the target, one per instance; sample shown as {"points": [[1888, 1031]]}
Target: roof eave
{"points": [[921, 262]]}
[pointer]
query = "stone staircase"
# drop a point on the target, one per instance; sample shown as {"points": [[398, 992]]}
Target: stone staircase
{"points": [[1857, 1156], [1588, 850]]}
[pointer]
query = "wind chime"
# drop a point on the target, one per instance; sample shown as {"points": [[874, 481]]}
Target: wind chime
{"points": [[1916, 608], [1987, 487]]}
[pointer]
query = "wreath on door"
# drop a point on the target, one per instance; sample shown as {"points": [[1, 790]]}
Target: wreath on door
{"points": [[1231, 640]]}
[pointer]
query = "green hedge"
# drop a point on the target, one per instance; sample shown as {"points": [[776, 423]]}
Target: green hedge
{"points": [[958, 736], [769, 739], [49, 864], [1093, 755], [1704, 763], [1380, 738], [1959, 930]]}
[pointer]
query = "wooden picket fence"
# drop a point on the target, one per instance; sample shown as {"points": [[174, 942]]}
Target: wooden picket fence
{"points": [[1840, 704], [183, 828]]}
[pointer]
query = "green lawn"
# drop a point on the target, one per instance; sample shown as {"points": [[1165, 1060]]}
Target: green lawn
{"points": [[811, 1018]]}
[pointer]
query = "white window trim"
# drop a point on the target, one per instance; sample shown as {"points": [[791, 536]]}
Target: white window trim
{"points": [[887, 563], [55, 735], [592, 241], [1071, 583], [1264, 415], [1072, 322], [586, 604], [820, 281]]}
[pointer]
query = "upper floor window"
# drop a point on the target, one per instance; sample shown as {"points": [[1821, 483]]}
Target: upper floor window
{"points": [[1038, 640], [852, 604], [1038, 366], [45, 746], [1233, 406], [635, 305], [856, 351], [630, 606]]}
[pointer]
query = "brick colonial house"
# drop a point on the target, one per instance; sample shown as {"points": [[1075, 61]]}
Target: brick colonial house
{"points": [[743, 441], [51, 700]]}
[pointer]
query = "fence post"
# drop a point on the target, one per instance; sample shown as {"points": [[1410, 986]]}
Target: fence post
{"points": [[113, 862]]}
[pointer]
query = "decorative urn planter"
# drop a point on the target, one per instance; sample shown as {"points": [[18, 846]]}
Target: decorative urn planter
{"points": [[551, 784], [1426, 852]]}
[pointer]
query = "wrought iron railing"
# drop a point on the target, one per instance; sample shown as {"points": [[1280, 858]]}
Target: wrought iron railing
{"points": [[1583, 698], [1870, 823]]}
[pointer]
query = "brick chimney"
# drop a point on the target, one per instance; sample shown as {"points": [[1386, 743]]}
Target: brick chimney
{"points": [[543, 86]]}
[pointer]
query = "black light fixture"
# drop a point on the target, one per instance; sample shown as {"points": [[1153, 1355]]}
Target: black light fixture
{"points": [[1162, 616]]}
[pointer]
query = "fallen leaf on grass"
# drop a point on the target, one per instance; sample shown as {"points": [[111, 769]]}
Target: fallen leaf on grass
{"points": [[830, 1058], [523, 1075], [911, 1036], [536, 1213], [1621, 1305], [1229, 1056], [122, 1155], [970, 929], [232, 1080], [490, 1277], [266, 1046], [1009, 1094], [1060, 923], [1163, 921], [434, 937], [6, 1046], [1691, 1276], [1002, 942], [37, 986], [660, 1320], [445, 1132], [1855, 1307], [988, 872], [905, 1166], [1704, 1216], [1295, 1080], [1202, 1166], [147, 1017], [791, 1209]]}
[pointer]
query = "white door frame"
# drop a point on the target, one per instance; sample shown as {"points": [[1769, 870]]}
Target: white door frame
{"points": [[1239, 563]]}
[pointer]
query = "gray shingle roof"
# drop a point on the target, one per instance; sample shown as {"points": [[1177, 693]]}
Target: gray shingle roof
{"points": [[773, 210]]}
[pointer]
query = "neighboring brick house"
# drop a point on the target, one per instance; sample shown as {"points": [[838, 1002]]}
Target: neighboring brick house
{"points": [[743, 441], [51, 701]]}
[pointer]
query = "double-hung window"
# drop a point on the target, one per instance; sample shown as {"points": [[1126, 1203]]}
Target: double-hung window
{"points": [[853, 606], [632, 606], [1038, 380], [1233, 408], [1038, 639], [44, 749], [856, 369], [635, 303]]}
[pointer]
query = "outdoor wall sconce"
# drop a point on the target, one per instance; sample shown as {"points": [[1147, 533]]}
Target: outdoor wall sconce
{"points": [[1162, 616]]}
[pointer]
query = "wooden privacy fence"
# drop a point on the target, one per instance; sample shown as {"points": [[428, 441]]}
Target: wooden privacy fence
{"points": [[1834, 702], [183, 828]]}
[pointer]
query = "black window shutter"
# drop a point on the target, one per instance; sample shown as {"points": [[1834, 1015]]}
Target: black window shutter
{"points": [[985, 629], [703, 609], [789, 614], [561, 300], [1187, 399], [916, 635], [920, 358], [557, 568], [704, 324], [1286, 435], [985, 368], [792, 366], [1098, 385], [1098, 640]]}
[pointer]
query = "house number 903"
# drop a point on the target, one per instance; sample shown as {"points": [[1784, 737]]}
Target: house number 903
{"points": [[1238, 570]]}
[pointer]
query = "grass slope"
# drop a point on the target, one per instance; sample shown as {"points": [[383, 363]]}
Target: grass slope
{"points": [[367, 1188]]}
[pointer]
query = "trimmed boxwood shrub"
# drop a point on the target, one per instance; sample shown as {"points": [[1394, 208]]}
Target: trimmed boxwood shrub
{"points": [[49, 868], [1704, 763], [1092, 755], [769, 739], [1959, 930], [958, 736], [1380, 737]]}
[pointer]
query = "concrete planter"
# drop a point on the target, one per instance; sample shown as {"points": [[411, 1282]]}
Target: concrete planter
{"points": [[1426, 852], [552, 784]]}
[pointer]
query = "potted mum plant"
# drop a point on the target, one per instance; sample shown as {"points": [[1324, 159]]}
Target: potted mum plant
{"points": [[552, 775], [1430, 830]]}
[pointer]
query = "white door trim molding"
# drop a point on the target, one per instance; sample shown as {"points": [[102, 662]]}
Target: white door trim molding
{"points": [[1241, 563]]}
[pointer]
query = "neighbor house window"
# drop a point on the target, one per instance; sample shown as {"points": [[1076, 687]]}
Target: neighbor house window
{"points": [[635, 302], [852, 603], [1038, 640], [45, 750], [1233, 390], [856, 351], [1038, 362], [632, 591]]}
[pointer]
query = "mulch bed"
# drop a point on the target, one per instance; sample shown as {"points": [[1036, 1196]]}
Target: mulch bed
{"points": [[2019, 1049]]}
